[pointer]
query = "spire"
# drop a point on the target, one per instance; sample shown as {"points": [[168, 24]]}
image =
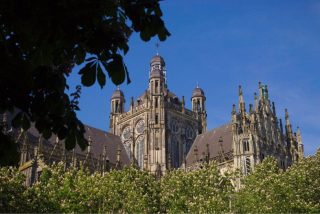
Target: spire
{"points": [[288, 124], [299, 135], [274, 109], [250, 108], [281, 126], [183, 104], [234, 111], [260, 90], [256, 102], [241, 101]]}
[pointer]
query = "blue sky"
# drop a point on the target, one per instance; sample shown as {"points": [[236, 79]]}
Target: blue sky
{"points": [[223, 44]]}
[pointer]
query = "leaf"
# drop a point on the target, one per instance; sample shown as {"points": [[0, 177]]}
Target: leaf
{"points": [[101, 77], [127, 74], [116, 70], [70, 141], [88, 72]]}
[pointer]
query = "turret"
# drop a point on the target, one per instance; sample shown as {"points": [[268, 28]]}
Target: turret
{"points": [[157, 75], [117, 107], [117, 102], [198, 106]]}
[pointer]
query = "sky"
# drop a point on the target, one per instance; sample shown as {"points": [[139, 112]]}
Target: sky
{"points": [[221, 45]]}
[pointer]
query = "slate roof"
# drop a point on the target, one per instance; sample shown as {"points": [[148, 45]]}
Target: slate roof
{"points": [[99, 138], [211, 138]]}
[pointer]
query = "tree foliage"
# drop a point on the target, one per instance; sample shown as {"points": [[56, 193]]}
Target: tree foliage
{"points": [[130, 190], [41, 41], [204, 190], [270, 190]]}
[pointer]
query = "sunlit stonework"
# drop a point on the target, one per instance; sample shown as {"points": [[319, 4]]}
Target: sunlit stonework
{"points": [[158, 130]]}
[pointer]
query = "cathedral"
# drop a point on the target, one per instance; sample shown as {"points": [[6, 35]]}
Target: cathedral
{"points": [[158, 133]]}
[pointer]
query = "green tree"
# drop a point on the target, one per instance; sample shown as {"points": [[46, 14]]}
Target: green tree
{"points": [[41, 41], [204, 190], [270, 190], [12, 190]]}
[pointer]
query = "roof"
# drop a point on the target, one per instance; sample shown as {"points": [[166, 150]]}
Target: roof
{"points": [[212, 139], [157, 59], [197, 92], [117, 94], [100, 139]]}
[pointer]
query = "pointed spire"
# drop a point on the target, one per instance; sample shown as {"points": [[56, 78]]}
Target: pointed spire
{"points": [[281, 126], [250, 108], [287, 118], [274, 109], [234, 111], [256, 102], [241, 101], [183, 104], [132, 102], [288, 124], [260, 90]]}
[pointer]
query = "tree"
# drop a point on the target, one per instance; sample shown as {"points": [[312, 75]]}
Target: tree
{"points": [[204, 190], [270, 190], [11, 190], [40, 42]]}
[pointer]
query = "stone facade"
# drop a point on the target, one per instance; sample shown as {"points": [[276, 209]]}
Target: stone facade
{"points": [[158, 130], [249, 138]]}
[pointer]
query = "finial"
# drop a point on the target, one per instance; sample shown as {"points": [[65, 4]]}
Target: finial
{"points": [[157, 45], [240, 90], [197, 84], [234, 111], [286, 114], [118, 87], [250, 108], [273, 108]]}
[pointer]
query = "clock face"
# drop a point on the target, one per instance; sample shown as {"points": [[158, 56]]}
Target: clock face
{"points": [[140, 127], [126, 133]]}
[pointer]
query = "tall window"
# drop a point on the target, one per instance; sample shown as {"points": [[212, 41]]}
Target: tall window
{"points": [[140, 151], [156, 119], [156, 102], [246, 147], [156, 86]]}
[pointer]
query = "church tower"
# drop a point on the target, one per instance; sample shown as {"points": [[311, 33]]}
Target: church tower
{"points": [[198, 100], [157, 88]]}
